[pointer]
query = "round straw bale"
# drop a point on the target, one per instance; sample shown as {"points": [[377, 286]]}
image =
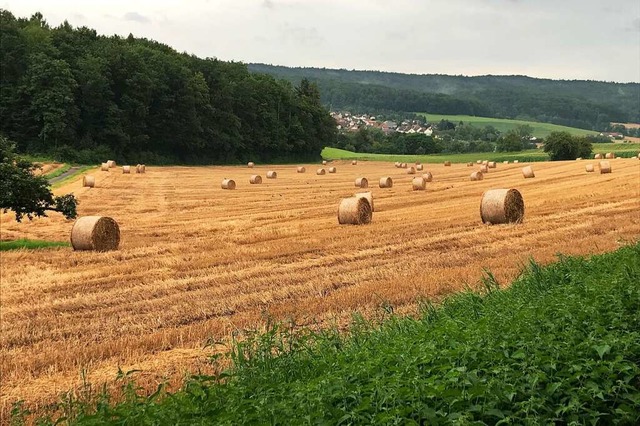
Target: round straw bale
{"points": [[126, 170], [447, 163], [516, 161], [140, 168], [301, 169], [418, 183], [579, 158], [609, 156], [527, 172], [638, 156], [271, 174], [111, 164], [332, 169], [419, 167], [397, 164], [589, 168], [255, 179], [403, 165], [427, 176], [502, 206], [89, 181], [484, 168], [362, 182], [104, 167], [485, 162], [411, 170], [354, 162], [470, 164], [228, 184], [324, 162], [491, 164], [478, 161], [98, 233], [386, 182], [354, 211], [605, 167], [320, 171], [505, 162], [250, 164], [598, 156], [368, 196], [476, 176]]}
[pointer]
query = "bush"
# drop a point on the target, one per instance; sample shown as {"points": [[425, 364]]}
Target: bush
{"points": [[564, 146]]}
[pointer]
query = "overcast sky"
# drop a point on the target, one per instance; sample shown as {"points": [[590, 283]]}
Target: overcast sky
{"points": [[560, 39]]}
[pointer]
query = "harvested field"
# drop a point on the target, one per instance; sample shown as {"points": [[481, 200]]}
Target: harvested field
{"points": [[196, 261]]}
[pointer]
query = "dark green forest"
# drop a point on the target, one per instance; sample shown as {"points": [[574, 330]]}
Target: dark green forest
{"points": [[79, 96], [589, 105]]}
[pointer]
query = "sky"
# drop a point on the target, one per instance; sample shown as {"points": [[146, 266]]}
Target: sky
{"points": [[558, 39]]}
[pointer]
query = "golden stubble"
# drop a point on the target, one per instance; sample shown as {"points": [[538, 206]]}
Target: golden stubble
{"points": [[199, 262]]}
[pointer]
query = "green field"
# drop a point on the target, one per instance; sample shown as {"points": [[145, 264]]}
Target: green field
{"points": [[31, 244], [559, 346], [540, 130], [621, 150]]}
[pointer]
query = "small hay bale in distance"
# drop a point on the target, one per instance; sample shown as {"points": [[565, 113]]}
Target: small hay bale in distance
{"points": [[301, 169], [332, 170], [386, 182], [604, 166], [354, 211], [126, 170], [589, 168], [478, 161], [403, 165], [470, 164], [484, 168], [104, 167], [111, 164], [354, 162], [99, 233], [609, 156], [418, 183], [597, 157], [255, 180], [397, 163], [475, 176], [447, 163], [228, 184], [502, 206], [88, 181], [579, 158], [419, 167], [321, 172], [516, 161], [485, 162], [528, 173], [428, 177], [368, 196], [251, 164], [505, 162], [491, 164], [141, 168], [411, 170], [272, 174], [324, 162], [362, 182]]}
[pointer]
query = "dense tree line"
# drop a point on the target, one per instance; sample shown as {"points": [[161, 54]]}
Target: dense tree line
{"points": [[86, 97], [590, 105]]}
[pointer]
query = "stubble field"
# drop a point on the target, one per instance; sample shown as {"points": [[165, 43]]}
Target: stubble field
{"points": [[198, 262]]}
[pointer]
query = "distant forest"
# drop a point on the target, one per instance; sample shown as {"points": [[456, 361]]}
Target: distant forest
{"points": [[78, 96], [590, 105]]}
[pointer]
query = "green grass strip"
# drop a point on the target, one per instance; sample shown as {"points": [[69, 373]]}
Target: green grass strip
{"points": [[60, 170], [31, 244], [72, 176]]}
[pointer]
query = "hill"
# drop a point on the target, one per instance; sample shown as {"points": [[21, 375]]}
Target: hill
{"points": [[577, 103]]}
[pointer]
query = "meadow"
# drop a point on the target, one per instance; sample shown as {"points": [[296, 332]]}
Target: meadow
{"points": [[198, 264]]}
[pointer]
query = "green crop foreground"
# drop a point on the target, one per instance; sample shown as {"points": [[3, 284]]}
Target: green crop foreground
{"points": [[561, 345]]}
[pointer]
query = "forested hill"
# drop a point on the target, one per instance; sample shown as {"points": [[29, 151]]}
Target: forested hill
{"points": [[586, 104], [84, 97]]}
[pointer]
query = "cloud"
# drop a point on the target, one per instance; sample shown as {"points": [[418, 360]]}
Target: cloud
{"points": [[269, 4], [136, 17]]}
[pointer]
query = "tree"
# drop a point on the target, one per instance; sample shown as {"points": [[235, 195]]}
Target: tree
{"points": [[563, 146], [26, 194], [509, 142]]}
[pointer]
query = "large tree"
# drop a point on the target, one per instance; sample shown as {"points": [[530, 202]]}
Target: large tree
{"points": [[25, 193], [564, 146]]}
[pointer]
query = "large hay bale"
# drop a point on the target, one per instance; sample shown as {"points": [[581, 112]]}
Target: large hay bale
{"points": [[228, 184], [321, 172], [502, 206], [447, 163], [476, 176], [528, 173], [250, 164], [598, 157], [97, 233], [88, 181], [354, 162], [604, 166], [126, 170], [354, 211], [411, 170], [491, 164], [427, 176], [301, 169], [271, 174], [368, 196], [610, 156], [111, 164], [589, 168], [362, 182], [386, 182], [419, 167], [332, 170], [324, 162], [484, 168], [418, 183], [255, 179], [104, 167], [140, 168]]}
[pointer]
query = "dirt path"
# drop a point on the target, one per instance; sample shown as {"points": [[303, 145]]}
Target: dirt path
{"points": [[64, 175]]}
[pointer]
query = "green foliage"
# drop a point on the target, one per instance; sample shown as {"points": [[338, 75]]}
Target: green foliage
{"points": [[84, 98], [509, 142], [26, 194], [561, 345], [31, 244], [564, 146]]}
